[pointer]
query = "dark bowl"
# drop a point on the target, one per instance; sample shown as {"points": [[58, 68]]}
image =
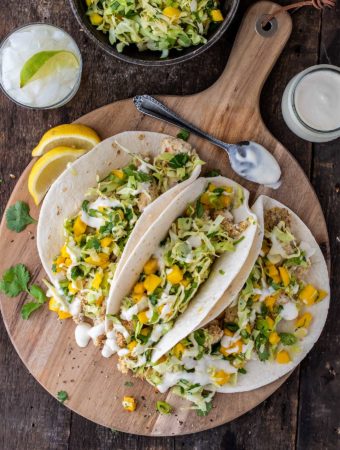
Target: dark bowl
{"points": [[148, 58]]}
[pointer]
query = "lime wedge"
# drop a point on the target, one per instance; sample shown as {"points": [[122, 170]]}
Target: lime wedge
{"points": [[45, 63]]}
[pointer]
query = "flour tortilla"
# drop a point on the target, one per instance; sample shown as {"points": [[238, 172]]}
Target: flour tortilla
{"points": [[208, 295], [67, 193], [262, 373]]}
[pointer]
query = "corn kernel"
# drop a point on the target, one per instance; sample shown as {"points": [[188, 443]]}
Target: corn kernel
{"points": [[272, 270], [221, 377], [308, 294], [274, 338], [175, 276], [138, 288], [53, 305], [216, 15], [137, 297], [152, 282], [64, 252], [270, 302], [185, 282], [98, 278], [96, 19], [228, 332], [145, 331], [118, 173], [100, 300], [68, 262], [106, 242], [171, 12], [102, 260], [270, 322], [304, 321], [71, 289], [283, 357], [129, 404], [131, 345], [64, 315], [151, 266], [224, 201], [205, 199], [79, 227], [321, 296], [285, 276], [142, 317], [178, 350]]}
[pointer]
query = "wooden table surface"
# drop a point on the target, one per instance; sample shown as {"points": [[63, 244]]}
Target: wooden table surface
{"points": [[304, 412]]}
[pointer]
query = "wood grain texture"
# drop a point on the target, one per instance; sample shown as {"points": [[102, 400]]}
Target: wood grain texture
{"points": [[229, 109], [276, 417]]}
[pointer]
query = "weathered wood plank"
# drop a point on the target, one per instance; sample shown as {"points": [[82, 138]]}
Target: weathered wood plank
{"points": [[95, 91], [319, 425]]}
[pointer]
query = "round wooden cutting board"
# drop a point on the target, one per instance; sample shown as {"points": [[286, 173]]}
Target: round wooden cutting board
{"points": [[230, 110]]}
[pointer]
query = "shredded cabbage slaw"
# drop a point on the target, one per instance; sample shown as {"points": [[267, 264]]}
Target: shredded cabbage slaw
{"points": [[158, 25]]}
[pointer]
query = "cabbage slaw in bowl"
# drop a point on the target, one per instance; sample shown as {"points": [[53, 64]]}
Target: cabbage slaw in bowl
{"points": [[155, 25]]}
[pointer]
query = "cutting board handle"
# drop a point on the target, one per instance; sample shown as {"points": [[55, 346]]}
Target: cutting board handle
{"points": [[254, 53]]}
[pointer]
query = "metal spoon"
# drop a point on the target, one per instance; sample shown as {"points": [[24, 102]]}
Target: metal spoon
{"points": [[248, 159]]}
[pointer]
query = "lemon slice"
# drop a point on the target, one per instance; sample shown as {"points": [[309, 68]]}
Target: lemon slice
{"points": [[68, 135], [47, 169], [43, 64]]}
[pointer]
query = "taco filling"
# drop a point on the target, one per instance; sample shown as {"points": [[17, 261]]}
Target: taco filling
{"points": [[95, 237], [267, 322], [172, 277]]}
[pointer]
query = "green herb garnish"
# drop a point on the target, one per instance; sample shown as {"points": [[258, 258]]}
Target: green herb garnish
{"points": [[288, 338], [179, 160], [183, 134], [18, 217], [128, 383], [15, 281], [62, 396], [213, 173]]}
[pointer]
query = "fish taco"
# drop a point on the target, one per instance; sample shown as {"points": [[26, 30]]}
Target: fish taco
{"points": [[97, 211], [269, 326]]}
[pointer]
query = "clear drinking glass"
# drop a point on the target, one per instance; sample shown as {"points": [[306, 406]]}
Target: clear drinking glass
{"points": [[51, 91]]}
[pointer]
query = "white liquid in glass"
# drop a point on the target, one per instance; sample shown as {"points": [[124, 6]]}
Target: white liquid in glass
{"points": [[52, 90], [317, 100]]}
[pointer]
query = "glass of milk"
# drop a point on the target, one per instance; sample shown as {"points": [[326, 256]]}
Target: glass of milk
{"points": [[47, 92], [311, 103]]}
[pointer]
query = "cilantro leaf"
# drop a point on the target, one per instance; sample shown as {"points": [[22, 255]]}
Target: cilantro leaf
{"points": [[18, 217], [213, 173], [37, 293], [28, 308], [199, 336], [128, 383], [199, 209], [288, 338], [15, 280], [62, 396], [183, 134], [179, 160]]}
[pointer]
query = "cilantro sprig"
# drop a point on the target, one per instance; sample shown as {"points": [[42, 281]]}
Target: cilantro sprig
{"points": [[18, 217], [15, 281], [62, 396]]}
